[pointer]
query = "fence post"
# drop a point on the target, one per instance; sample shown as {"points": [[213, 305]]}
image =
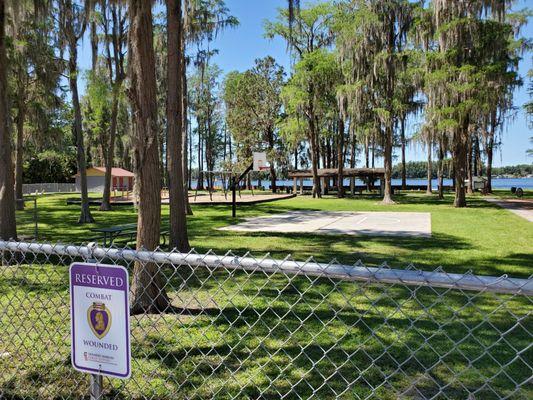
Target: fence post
{"points": [[97, 384], [96, 387], [233, 197], [35, 217]]}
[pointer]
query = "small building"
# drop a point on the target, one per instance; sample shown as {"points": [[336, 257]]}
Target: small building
{"points": [[324, 174], [121, 179]]}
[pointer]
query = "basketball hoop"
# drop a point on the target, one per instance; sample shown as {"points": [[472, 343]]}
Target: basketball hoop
{"points": [[260, 161]]}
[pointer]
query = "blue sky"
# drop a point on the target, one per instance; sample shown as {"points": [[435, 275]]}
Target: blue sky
{"points": [[239, 47]]}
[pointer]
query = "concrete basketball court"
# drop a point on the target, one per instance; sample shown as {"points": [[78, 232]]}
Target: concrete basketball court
{"points": [[340, 223]]}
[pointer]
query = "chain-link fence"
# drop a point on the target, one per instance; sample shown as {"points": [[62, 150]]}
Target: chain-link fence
{"points": [[258, 328], [52, 187]]}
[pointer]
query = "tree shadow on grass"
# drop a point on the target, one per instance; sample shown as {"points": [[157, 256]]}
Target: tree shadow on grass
{"points": [[324, 248], [521, 262], [298, 357], [447, 201]]}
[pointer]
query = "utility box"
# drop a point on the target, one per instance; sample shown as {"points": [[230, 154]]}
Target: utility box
{"points": [[478, 182]]}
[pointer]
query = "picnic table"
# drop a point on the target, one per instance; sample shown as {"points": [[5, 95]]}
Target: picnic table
{"points": [[112, 232], [127, 233]]}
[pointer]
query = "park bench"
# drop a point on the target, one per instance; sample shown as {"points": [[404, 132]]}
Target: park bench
{"points": [[123, 235], [130, 238]]}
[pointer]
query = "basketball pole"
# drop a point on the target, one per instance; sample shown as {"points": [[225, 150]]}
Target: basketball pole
{"points": [[234, 183]]}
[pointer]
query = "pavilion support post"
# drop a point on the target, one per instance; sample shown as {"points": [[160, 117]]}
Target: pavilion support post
{"points": [[323, 185], [352, 185], [294, 185], [301, 185]]}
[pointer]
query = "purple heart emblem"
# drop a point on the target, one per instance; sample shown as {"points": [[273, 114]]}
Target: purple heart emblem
{"points": [[99, 318]]}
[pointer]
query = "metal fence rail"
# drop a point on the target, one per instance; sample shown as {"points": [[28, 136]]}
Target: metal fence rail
{"points": [[245, 327]]}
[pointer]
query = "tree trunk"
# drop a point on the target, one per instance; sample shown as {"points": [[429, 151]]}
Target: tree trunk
{"points": [[94, 45], [441, 170], [148, 287], [270, 137], [340, 158], [106, 199], [489, 148], [367, 162], [460, 144], [190, 164], [185, 139], [429, 187], [470, 186], [20, 149], [85, 215], [373, 151], [387, 157], [118, 59], [316, 192], [8, 224], [490, 153], [200, 178], [475, 156], [186, 165], [404, 172], [178, 222], [353, 148]]}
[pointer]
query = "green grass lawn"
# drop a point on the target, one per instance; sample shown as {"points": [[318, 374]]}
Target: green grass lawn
{"points": [[483, 238], [242, 335]]}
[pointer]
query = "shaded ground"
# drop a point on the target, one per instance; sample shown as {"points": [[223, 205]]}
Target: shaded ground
{"points": [[483, 237], [243, 335], [252, 335]]}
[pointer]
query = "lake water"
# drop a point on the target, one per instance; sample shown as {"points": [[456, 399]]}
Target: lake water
{"points": [[497, 183]]}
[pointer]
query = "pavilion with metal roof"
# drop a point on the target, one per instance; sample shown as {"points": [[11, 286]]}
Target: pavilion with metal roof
{"points": [[369, 174]]}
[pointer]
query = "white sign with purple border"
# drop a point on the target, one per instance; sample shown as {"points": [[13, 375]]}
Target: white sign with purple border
{"points": [[100, 319]]}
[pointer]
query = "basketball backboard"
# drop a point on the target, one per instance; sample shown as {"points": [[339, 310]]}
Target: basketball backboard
{"points": [[260, 161]]}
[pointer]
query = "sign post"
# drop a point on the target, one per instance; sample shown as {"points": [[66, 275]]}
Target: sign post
{"points": [[100, 322], [96, 387]]}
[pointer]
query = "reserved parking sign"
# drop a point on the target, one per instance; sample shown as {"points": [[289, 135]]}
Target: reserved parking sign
{"points": [[100, 322]]}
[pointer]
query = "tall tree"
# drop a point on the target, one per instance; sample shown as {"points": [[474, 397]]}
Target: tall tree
{"points": [[73, 23], [340, 154], [8, 224], [114, 38], [529, 109], [503, 32], [468, 36], [35, 73], [148, 288], [312, 36], [178, 222], [253, 107], [203, 20], [310, 95], [372, 39]]}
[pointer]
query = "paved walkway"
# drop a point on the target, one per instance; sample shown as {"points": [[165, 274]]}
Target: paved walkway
{"points": [[521, 207], [340, 223]]}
